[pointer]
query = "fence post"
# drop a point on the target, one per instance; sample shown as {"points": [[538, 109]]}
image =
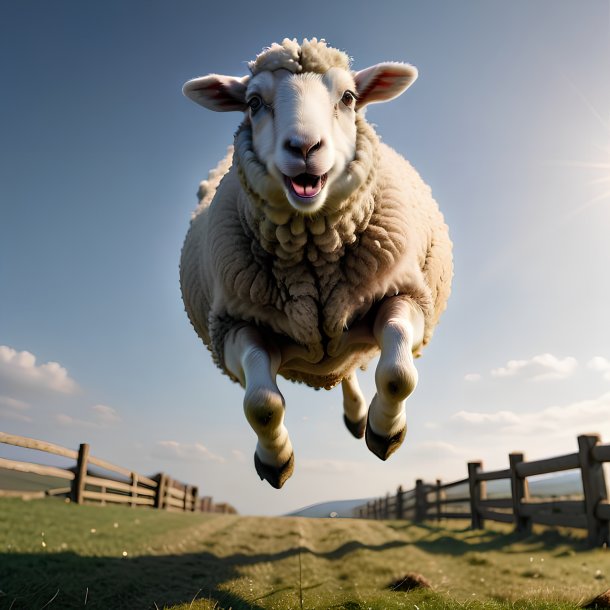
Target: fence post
{"points": [[594, 488], [161, 487], [168, 495], [187, 495], [386, 506], [399, 503], [134, 488], [78, 485], [195, 491], [519, 491], [475, 488], [420, 500], [438, 499]]}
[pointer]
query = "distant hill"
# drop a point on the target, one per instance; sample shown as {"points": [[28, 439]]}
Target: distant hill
{"points": [[565, 484], [337, 508], [25, 481]]}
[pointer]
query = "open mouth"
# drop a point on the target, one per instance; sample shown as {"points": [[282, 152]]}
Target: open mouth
{"points": [[306, 186]]}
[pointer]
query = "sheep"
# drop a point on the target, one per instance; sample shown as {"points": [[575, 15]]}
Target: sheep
{"points": [[314, 247]]}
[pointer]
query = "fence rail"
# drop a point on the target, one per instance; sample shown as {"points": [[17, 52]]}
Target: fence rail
{"points": [[93, 480], [430, 500]]}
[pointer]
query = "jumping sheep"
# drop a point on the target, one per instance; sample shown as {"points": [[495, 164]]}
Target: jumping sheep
{"points": [[314, 247]]}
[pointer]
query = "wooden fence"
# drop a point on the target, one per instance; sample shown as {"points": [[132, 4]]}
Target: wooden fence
{"points": [[93, 480], [467, 498]]}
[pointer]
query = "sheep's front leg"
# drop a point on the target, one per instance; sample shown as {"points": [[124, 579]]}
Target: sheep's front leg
{"points": [[255, 365], [399, 330]]}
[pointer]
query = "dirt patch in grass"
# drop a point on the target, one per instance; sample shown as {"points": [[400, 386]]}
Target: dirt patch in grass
{"points": [[409, 582]]}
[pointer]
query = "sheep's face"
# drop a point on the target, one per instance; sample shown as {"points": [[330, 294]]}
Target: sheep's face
{"points": [[303, 131], [304, 124]]}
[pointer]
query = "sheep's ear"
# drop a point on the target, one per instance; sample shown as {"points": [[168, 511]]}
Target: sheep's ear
{"points": [[383, 82], [216, 92]]}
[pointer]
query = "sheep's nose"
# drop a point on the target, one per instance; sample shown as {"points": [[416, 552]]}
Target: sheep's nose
{"points": [[302, 147]]}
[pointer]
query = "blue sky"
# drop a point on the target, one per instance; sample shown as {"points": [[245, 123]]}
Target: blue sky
{"points": [[100, 158]]}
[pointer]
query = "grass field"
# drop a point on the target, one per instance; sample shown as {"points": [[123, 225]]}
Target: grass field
{"points": [[58, 555]]}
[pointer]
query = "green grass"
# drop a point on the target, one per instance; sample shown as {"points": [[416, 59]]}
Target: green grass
{"points": [[62, 556]]}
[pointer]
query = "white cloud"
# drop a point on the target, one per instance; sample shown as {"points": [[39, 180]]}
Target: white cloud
{"points": [[13, 403], [541, 367], [437, 449], [554, 421], [105, 415], [19, 371], [600, 364], [173, 450], [238, 455], [497, 418], [72, 422], [329, 466], [15, 416], [13, 409], [472, 377], [102, 416]]}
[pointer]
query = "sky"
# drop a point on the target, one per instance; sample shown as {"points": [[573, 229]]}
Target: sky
{"points": [[100, 159]]}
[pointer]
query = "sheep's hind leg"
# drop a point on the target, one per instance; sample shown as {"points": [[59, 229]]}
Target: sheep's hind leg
{"points": [[255, 364], [398, 329], [354, 406]]}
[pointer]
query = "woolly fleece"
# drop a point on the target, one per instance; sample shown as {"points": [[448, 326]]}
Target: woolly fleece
{"points": [[249, 257]]}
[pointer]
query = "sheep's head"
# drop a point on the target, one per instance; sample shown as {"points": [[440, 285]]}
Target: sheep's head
{"points": [[301, 104]]}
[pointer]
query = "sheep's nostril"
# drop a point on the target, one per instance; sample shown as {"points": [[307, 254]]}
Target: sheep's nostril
{"points": [[293, 148], [313, 149], [301, 148]]}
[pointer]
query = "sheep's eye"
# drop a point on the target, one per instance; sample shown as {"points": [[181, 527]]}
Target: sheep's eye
{"points": [[348, 99], [255, 103]]}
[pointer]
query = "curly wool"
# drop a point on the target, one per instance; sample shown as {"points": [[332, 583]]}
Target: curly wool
{"points": [[310, 56], [299, 275], [207, 188], [272, 266], [287, 234]]}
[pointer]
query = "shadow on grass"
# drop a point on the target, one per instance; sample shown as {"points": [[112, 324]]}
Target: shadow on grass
{"points": [[67, 580], [479, 541]]}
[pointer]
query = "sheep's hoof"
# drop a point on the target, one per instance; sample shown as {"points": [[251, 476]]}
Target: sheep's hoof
{"points": [[275, 476], [355, 427], [383, 447]]}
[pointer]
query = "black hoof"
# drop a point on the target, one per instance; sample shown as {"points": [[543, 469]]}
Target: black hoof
{"points": [[275, 476], [355, 427], [383, 447]]}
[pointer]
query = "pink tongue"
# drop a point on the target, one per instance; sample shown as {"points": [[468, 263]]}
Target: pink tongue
{"points": [[306, 190]]}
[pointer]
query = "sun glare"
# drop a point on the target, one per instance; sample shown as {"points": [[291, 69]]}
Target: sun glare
{"points": [[602, 180], [600, 168]]}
